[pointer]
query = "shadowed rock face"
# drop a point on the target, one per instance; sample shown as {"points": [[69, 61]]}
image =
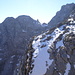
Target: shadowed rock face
{"points": [[61, 15], [15, 34]]}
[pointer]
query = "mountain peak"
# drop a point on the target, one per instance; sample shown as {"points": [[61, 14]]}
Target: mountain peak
{"points": [[62, 15], [24, 17], [9, 19]]}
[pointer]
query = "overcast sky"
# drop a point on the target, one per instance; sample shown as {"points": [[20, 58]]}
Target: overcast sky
{"points": [[43, 10]]}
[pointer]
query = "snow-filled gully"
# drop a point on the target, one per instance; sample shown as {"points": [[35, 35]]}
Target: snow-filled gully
{"points": [[41, 46]]}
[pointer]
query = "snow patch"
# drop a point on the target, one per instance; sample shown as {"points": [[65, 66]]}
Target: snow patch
{"points": [[70, 19], [40, 41], [45, 25], [73, 21], [46, 41], [57, 32], [74, 65], [35, 54], [17, 64], [0, 59], [59, 43], [60, 73], [24, 31], [71, 15], [68, 67], [13, 56], [41, 62], [68, 56], [71, 28]]}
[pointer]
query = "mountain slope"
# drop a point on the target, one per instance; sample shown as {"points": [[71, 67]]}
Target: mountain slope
{"points": [[62, 15], [54, 50], [15, 34]]}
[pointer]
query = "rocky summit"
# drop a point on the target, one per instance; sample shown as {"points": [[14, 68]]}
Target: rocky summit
{"points": [[15, 34], [62, 15], [28, 47]]}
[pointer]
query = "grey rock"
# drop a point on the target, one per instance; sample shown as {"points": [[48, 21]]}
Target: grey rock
{"points": [[61, 15], [15, 34]]}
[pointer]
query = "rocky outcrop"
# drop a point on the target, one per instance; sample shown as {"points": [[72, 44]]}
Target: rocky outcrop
{"points": [[15, 34], [62, 15], [64, 59], [63, 52]]}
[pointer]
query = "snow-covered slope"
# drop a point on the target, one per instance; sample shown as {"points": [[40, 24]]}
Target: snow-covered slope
{"points": [[48, 48]]}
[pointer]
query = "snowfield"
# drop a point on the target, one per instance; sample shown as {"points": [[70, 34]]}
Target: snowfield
{"points": [[44, 42]]}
